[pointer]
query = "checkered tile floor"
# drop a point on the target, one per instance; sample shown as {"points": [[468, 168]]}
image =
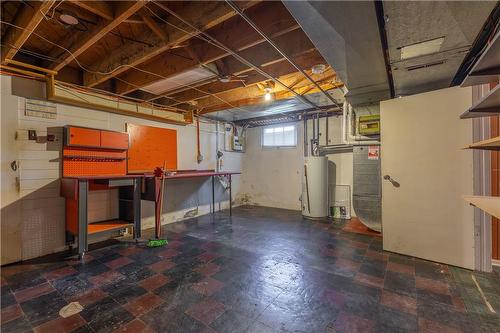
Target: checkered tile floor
{"points": [[263, 270]]}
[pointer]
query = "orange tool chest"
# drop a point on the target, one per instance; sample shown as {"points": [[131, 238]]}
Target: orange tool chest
{"points": [[94, 152]]}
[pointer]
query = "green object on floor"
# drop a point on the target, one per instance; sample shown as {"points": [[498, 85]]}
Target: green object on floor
{"points": [[157, 242]]}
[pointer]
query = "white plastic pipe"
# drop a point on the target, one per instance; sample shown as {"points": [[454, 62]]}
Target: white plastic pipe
{"points": [[348, 137]]}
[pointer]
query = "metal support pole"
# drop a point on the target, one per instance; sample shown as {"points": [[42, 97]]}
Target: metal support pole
{"points": [[213, 194], [326, 130], [83, 187], [305, 135], [230, 197], [137, 207], [317, 128], [314, 130]]}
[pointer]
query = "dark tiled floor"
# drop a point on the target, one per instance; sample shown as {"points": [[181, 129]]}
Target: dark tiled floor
{"points": [[263, 270]]}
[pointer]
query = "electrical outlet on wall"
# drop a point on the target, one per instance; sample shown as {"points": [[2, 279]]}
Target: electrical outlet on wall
{"points": [[32, 135]]}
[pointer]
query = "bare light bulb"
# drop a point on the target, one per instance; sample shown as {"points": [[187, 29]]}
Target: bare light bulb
{"points": [[267, 96]]}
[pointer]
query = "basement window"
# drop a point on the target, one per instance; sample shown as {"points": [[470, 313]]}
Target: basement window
{"points": [[279, 136]]}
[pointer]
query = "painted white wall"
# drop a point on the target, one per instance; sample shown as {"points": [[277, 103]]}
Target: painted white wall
{"points": [[422, 149], [34, 211], [272, 177], [10, 208]]}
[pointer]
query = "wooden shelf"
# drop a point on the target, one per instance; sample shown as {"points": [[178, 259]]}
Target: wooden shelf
{"points": [[487, 67], [490, 205], [487, 106], [490, 144], [98, 227]]}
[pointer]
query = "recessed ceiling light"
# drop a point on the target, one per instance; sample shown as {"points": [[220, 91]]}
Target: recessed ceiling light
{"points": [[68, 19]]}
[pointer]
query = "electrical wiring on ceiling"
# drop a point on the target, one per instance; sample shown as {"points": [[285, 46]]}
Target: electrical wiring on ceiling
{"points": [[121, 66], [118, 97], [192, 34], [105, 92], [209, 39], [216, 43]]}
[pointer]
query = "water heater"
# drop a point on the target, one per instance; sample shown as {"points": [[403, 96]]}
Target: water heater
{"points": [[315, 187]]}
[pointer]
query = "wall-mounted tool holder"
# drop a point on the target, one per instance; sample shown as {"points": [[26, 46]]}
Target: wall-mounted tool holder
{"points": [[94, 152]]}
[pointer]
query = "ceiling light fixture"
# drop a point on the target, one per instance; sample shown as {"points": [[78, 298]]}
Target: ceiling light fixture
{"points": [[318, 69], [267, 95], [68, 19]]}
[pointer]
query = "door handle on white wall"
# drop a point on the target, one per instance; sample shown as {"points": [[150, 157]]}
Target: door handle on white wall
{"points": [[393, 182]]}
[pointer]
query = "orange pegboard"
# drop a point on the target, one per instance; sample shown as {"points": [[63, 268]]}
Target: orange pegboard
{"points": [[150, 147], [71, 151], [88, 162]]}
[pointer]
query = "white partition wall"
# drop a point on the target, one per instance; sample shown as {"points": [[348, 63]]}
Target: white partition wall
{"points": [[422, 141]]}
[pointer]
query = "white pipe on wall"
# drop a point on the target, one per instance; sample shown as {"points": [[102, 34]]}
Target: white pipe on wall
{"points": [[348, 137]]}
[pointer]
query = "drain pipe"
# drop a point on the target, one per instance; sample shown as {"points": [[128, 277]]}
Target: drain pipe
{"points": [[314, 128], [345, 111], [217, 146], [348, 137], [199, 156], [317, 129], [305, 135], [326, 130]]}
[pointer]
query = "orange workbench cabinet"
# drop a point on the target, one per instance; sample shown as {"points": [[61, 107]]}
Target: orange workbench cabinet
{"points": [[82, 137], [114, 140], [95, 138], [94, 152]]}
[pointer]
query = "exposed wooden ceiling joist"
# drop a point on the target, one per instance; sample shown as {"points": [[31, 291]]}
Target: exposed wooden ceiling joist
{"points": [[278, 69], [167, 43], [100, 8], [261, 54], [203, 15], [235, 34], [150, 22], [304, 57], [123, 11], [28, 19], [328, 79], [258, 100]]}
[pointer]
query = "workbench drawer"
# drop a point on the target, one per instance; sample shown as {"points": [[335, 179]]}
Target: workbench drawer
{"points": [[115, 182]]}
